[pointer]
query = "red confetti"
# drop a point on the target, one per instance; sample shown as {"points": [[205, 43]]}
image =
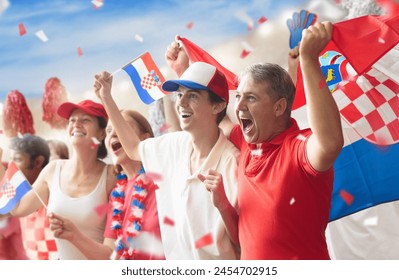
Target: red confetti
{"points": [[189, 25], [97, 4], [205, 240], [244, 53], [102, 209], [322, 84], [164, 127], [168, 221], [347, 197], [80, 52], [262, 20], [250, 26], [22, 30]]}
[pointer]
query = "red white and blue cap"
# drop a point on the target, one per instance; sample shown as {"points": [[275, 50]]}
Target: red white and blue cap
{"points": [[201, 76]]}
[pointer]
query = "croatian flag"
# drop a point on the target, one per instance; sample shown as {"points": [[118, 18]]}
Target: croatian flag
{"points": [[361, 65], [13, 187], [146, 78]]}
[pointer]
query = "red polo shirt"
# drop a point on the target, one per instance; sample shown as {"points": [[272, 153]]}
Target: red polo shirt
{"points": [[283, 202]]}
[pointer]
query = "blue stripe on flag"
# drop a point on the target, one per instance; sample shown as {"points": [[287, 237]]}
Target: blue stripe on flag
{"points": [[136, 79], [369, 173], [20, 191]]}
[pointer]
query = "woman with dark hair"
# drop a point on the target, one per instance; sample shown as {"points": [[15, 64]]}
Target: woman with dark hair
{"points": [[75, 188], [132, 230]]}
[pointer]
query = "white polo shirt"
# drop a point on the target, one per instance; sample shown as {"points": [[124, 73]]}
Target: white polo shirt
{"points": [[185, 210]]}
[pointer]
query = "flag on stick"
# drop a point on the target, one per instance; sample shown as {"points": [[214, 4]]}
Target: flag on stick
{"points": [[146, 78], [13, 187]]}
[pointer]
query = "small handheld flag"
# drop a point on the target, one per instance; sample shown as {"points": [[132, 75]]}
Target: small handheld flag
{"points": [[146, 78], [13, 187]]}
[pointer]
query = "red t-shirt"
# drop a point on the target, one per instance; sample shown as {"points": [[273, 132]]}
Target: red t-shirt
{"points": [[150, 220], [283, 202]]}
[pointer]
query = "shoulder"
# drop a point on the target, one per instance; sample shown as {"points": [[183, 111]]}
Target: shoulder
{"points": [[111, 177]]}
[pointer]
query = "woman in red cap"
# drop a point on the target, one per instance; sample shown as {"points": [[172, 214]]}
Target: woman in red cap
{"points": [[132, 230], [79, 187]]}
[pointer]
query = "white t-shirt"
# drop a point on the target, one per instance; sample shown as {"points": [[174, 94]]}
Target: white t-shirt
{"points": [[185, 210]]}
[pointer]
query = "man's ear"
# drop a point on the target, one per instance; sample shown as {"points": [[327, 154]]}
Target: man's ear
{"points": [[219, 107], [280, 106]]}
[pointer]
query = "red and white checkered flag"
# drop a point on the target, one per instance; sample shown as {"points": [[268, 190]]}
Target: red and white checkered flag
{"points": [[147, 82], [370, 104]]}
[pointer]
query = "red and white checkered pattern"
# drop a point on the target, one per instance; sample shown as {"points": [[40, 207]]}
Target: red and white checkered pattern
{"points": [[38, 239], [9, 190], [147, 82], [370, 104]]}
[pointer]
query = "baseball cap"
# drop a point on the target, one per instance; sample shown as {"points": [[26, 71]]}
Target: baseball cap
{"points": [[201, 76], [89, 107]]}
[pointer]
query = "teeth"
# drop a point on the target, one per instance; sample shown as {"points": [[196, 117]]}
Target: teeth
{"points": [[78, 134]]}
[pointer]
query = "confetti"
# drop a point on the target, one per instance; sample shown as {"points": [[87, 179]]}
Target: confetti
{"points": [[244, 54], [205, 240], [372, 221], [164, 128], [189, 25], [381, 40], [94, 143], [22, 30], [41, 35], [247, 49], [97, 4], [80, 52], [3, 5], [250, 26], [138, 38], [322, 83], [347, 197], [262, 20], [292, 201], [245, 18], [168, 221], [102, 209], [301, 137], [257, 152]]}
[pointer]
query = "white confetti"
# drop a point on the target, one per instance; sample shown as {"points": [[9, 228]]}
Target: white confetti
{"points": [[292, 201], [373, 221], [138, 38], [95, 141], [301, 137], [257, 152], [3, 5], [41, 35], [381, 40], [247, 46]]}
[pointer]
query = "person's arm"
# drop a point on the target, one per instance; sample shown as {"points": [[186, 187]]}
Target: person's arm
{"points": [[64, 229], [214, 184], [126, 133], [30, 202], [293, 59], [326, 141]]}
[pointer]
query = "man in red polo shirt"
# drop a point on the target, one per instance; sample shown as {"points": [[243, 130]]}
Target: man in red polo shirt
{"points": [[285, 175]]}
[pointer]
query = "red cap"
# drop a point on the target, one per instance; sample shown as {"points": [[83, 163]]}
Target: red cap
{"points": [[89, 107]]}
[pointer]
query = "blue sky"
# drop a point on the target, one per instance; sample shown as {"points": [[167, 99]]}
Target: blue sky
{"points": [[107, 35]]}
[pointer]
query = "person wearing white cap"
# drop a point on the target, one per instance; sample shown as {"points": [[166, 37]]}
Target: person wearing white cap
{"points": [[191, 226]]}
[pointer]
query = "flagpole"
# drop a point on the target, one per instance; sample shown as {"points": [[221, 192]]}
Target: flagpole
{"points": [[40, 199], [120, 69]]}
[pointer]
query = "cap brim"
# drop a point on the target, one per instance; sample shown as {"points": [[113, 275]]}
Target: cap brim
{"points": [[65, 109], [173, 85]]}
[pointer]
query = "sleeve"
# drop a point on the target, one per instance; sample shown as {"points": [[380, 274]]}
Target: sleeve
{"points": [[229, 172], [236, 136]]}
